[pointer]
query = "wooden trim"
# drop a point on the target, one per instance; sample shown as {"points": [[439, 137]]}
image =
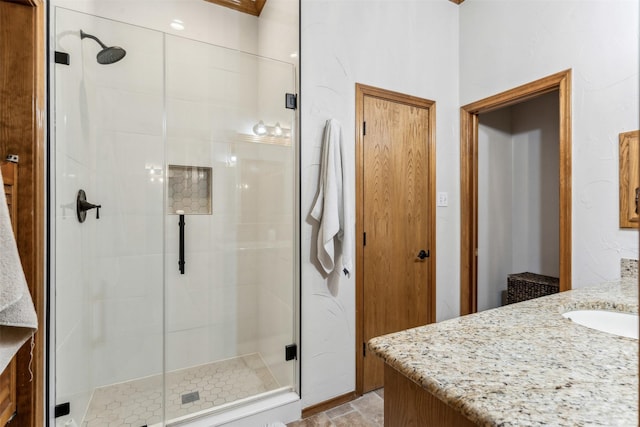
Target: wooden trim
{"points": [[362, 91], [359, 259], [328, 404], [22, 115], [457, 1], [564, 89], [519, 94], [560, 82], [388, 95], [433, 206], [252, 7], [628, 178], [30, 3], [468, 212]]}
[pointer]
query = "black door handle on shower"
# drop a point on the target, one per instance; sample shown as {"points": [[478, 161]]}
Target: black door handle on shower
{"points": [[181, 251]]}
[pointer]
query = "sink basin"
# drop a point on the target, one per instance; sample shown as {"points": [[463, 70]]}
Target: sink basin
{"points": [[613, 322]]}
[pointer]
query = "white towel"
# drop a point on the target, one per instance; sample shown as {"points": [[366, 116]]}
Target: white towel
{"points": [[334, 204], [18, 320]]}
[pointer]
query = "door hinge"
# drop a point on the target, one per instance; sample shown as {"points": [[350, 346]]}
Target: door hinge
{"points": [[62, 409], [290, 352], [61, 58], [364, 239], [364, 349], [291, 101], [364, 128]]}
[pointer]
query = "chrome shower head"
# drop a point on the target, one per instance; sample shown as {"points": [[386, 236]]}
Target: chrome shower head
{"points": [[108, 54]]}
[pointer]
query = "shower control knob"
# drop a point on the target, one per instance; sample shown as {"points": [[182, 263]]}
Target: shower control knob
{"points": [[82, 206]]}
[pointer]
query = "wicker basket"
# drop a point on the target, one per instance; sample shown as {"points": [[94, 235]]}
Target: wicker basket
{"points": [[524, 286]]}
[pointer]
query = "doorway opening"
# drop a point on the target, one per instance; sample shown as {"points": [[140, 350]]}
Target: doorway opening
{"points": [[560, 84]]}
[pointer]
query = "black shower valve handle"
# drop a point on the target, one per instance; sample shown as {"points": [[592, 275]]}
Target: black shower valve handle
{"points": [[85, 206], [82, 206]]}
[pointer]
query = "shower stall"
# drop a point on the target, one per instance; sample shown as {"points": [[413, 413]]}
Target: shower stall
{"points": [[173, 219]]}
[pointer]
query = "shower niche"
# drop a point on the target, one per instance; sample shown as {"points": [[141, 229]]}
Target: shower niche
{"points": [[189, 190]]}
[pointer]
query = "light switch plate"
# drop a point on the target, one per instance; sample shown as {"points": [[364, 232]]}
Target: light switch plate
{"points": [[443, 199]]}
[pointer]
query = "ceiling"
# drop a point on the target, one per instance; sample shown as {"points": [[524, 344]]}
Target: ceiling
{"points": [[252, 7]]}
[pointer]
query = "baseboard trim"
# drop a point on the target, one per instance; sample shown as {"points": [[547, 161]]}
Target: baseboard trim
{"points": [[328, 404]]}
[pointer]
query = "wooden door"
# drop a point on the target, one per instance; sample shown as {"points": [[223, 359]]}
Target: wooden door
{"points": [[397, 221]]}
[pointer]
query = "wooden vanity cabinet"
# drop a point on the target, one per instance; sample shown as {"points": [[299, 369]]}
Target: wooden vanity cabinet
{"points": [[408, 404]]}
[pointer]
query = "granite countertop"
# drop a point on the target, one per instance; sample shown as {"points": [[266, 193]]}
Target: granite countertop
{"points": [[526, 365]]}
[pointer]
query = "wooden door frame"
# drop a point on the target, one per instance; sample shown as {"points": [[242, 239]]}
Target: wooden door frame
{"points": [[361, 92], [23, 121], [469, 120]]}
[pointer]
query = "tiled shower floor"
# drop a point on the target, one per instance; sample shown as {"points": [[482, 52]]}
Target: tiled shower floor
{"points": [[139, 402]]}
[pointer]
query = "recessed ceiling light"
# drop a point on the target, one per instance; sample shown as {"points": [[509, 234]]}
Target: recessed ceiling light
{"points": [[177, 24]]}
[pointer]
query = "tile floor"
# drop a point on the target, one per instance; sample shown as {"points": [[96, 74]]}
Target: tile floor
{"points": [[139, 402], [366, 411]]}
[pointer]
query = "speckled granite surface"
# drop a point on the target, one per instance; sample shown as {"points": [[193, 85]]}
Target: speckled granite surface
{"points": [[526, 365], [628, 268]]}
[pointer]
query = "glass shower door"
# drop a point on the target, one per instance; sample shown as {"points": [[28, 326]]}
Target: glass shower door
{"points": [[107, 136], [230, 165], [173, 132]]}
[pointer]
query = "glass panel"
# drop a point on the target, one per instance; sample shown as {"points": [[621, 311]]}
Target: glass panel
{"points": [[136, 342], [230, 315], [108, 136]]}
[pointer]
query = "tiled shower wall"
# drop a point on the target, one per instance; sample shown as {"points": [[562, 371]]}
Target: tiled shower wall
{"points": [[108, 271], [238, 259]]}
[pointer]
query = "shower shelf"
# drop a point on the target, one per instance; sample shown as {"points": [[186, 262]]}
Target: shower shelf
{"points": [[189, 190], [266, 139]]}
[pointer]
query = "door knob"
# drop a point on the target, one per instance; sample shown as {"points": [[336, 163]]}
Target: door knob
{"points": [[422, 254]]}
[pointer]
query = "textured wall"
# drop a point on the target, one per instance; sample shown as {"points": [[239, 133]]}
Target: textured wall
{"points": [[409, 47], [504, 44]]}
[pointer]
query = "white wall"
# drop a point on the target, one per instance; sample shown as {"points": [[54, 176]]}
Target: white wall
{"points": [[409, 47], [504, 44], [274, 34], [202, 20], [495, 199], [518, 195], [536, 186]]}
